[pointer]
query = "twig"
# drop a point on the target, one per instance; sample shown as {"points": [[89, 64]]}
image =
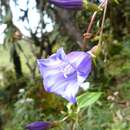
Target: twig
{"points": [[88, 35], [103, 21]]}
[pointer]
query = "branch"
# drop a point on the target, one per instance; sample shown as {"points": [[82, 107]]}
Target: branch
{"points": [[69, 26]]}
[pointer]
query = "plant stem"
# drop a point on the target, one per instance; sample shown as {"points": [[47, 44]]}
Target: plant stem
{"points": [[103, 21], [88, 34]]}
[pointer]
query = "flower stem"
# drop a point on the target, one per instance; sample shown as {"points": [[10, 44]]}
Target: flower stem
{"points": [[88, 34], [103, 21]]}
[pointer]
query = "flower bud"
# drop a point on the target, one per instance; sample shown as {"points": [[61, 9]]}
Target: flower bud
{"points": [[38, 125], [68, 4], [75, 4], [95, 51]]}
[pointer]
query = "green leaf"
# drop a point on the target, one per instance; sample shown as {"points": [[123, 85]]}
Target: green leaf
{"points": [[87, 99]]}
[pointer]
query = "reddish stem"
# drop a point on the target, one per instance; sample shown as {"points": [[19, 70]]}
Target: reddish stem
{"points": [[88, 34]]}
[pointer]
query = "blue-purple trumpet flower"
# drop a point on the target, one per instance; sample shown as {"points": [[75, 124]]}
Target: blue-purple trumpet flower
{"points": [[63, 74]]}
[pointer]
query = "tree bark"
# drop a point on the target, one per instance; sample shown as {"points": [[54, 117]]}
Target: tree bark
{"points": [[17, 63]]}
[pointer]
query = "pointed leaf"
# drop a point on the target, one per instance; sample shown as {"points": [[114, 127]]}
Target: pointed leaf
{"points": [[87, 99]]}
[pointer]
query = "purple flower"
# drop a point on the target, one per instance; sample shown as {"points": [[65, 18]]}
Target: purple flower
{"points": [[63, 74], [68, 4], [39, 125]]}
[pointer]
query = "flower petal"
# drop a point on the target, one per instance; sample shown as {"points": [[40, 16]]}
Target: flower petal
{"points": [[51, 65], [76, 57], [71, 91], [84, 68], [51, 80], [65, 87]]}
